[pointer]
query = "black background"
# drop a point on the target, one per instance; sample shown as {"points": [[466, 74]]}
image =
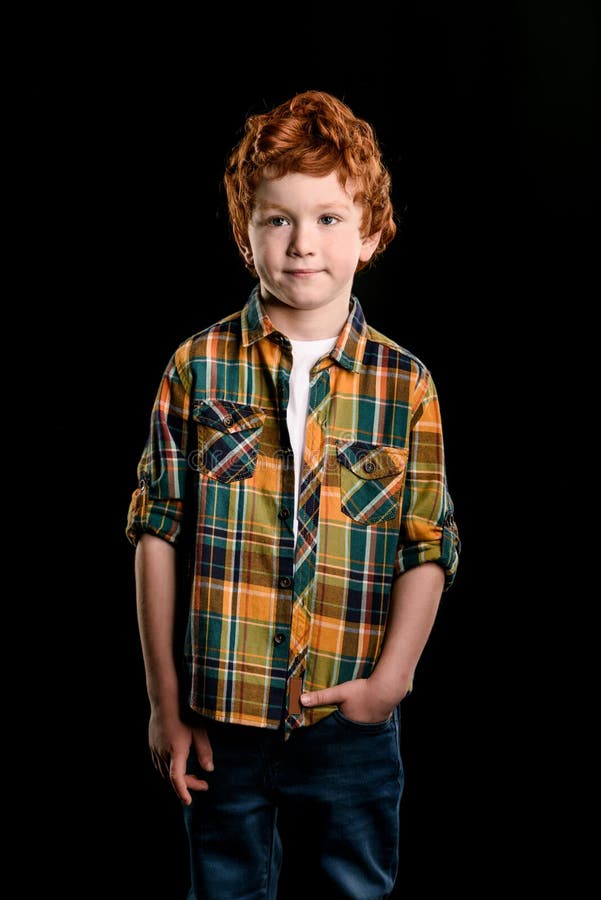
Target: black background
{"points": [[487, 122]]}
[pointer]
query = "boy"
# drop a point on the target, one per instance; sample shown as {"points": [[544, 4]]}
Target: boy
{"points": [[295, 471]]}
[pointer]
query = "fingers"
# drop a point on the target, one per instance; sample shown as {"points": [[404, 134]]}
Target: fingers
{"points": [[173, 766], [184, 783], [203, 749], [195, 784], [160, 763], [177, 775], [181, 782], [327, 697]]}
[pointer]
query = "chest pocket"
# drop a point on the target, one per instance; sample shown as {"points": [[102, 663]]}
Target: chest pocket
{"points": [[371, 480], [228, 438]]}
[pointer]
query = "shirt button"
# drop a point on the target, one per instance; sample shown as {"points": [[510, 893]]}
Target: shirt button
{"points": [[284, 513], [229, 420], [369, 467], [279, 638], [285, 582]]}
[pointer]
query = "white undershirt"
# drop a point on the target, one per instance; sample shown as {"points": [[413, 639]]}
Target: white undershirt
{"points": [[304, 356]]}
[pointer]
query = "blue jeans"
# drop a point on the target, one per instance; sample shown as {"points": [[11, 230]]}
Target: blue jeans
{"points": [[282, 818]]}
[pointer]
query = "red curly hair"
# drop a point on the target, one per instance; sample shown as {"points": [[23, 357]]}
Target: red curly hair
{"points": [[316, 134]]}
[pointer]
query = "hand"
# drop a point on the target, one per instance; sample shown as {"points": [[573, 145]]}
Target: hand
{"points": [[170, 741], [363, 700]]}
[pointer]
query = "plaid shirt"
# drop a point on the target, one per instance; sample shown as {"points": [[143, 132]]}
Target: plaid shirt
{"points": [[217, 478]]}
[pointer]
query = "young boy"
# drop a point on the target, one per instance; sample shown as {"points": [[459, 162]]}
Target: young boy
{"points": [[295, 473]]}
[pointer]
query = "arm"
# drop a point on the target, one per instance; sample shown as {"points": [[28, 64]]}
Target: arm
{"points": [[426, 562], [414, 603], [169, 738]]}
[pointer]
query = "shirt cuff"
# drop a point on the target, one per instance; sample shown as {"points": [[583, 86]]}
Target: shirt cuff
{"points": [[152, 516], [444, 552]]}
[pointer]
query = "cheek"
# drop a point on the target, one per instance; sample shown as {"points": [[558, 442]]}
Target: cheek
{"points": [[268, 260], [345, 253], [267, 256], [269, 248]]}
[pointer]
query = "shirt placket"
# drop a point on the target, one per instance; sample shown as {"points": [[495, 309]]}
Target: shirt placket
{"points": [[285, 575], [306, 543]]}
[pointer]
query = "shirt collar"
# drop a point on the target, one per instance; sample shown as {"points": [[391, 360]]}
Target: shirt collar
{"points": [[350, 345]]}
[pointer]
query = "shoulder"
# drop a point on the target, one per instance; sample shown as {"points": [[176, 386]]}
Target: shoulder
{"points": [[209, 341], [393, 353], [213, 342], [401, 365]]}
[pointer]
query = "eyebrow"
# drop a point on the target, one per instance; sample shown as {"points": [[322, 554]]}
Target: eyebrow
{"points": [[318, 206]]}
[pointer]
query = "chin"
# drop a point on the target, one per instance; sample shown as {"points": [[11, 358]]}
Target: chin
{"points": [[307, 302]]}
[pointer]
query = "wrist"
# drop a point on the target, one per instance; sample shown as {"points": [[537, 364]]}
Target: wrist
{"points": [[164, 698], [391, 690]]}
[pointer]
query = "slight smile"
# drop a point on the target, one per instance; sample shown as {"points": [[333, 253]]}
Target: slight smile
{"points": [[302, 273]]}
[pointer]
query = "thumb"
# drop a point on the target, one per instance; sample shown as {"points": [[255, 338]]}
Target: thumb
{"points": [[326, 697]]}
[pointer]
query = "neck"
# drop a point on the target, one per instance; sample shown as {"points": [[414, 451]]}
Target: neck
{"points": [[307, 324]]}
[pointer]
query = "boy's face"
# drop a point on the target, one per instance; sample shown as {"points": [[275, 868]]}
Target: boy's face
{"points": [[304, 240]]}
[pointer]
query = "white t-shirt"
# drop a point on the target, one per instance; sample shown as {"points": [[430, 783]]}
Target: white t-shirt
{"points": [[304, 356]]}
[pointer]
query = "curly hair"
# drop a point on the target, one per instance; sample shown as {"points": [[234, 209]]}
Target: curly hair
{"points": [[313, 133]]}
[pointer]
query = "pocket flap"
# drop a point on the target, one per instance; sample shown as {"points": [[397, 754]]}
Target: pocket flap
{"points": [[369, 462], [227, 416]]}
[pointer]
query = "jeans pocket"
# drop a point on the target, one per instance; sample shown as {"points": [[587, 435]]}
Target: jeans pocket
{"points": [[365, 727]]}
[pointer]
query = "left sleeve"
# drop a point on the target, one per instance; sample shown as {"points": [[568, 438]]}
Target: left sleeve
{"points": [[157, 505], [428, 531]]}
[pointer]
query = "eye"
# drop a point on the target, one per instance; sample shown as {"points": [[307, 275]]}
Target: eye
{"points": [[328, 220], [278, 221]]}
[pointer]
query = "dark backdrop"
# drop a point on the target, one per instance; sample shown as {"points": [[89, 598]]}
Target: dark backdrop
{"points": [[486, 122]]}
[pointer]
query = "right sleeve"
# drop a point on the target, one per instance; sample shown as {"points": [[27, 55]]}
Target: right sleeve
{"points": [[428, 531], [157, 504]]}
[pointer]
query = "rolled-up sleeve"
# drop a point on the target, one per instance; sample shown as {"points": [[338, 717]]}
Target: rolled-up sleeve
{"points": [[157, 504], [428, 531]]}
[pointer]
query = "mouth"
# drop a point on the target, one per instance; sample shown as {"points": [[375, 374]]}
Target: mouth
{"points": [[302, 273]]}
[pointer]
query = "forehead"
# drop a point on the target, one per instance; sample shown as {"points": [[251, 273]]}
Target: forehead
{"points": [[300, 188]]}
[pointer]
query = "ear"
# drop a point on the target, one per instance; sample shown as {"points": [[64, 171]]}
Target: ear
{"points": [[243, 247], [246, 254], [369, 246]]}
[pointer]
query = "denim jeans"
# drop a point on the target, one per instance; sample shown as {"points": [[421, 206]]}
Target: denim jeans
{"points": [[283, 818]]}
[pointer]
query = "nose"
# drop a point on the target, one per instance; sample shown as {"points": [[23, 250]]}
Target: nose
{"points": [[301, 241]]}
